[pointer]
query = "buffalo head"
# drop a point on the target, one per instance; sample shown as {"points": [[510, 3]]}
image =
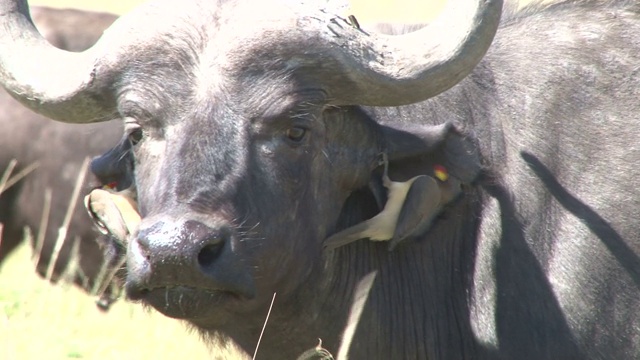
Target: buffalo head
{"points": [[247, 139]]}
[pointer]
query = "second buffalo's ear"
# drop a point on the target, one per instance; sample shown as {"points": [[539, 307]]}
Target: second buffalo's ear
{"points": [[115, 167], [416, 150]]}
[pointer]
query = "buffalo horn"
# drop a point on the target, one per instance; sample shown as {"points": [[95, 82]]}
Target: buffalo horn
{"points": [[58, 84], [389, 70]]}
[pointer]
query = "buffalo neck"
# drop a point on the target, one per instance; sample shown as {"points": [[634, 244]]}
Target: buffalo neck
{"points": [[417, 303]]}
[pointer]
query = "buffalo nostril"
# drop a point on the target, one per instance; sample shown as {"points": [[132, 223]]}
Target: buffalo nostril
{"points": [[210, 252]]}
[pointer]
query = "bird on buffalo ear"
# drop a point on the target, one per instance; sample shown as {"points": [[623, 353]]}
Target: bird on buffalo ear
{"points": [[409, 210]]}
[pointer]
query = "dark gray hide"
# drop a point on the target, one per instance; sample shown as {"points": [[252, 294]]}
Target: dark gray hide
{"points": [[59, 149], [247, 155]]}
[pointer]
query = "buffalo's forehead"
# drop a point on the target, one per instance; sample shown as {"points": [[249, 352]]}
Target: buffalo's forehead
{"points": [[242, 53], [255, 54]]}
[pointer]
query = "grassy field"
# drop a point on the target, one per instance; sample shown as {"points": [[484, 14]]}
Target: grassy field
{"points": [[40, 321]]}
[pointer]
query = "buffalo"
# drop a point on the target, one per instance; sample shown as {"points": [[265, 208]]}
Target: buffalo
{"points": [[255, 131], [50, 155]]}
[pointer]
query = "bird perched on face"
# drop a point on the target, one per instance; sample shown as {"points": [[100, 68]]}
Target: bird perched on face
{"points": [[409, 210], [114, 213]]}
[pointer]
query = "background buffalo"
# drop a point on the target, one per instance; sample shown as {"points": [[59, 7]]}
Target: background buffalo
{"points": [[55, 152]]}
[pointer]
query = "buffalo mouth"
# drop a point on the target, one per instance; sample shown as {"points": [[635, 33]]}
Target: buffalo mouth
{"points": [[184, 302]]}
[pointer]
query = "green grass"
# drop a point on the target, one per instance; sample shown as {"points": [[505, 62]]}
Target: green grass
{"points": [[41, 321]]}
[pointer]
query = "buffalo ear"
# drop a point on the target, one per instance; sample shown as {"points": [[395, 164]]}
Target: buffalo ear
{"points": [[415, 150], [115, 167]]}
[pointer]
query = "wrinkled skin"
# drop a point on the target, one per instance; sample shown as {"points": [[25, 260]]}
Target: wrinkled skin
{"points": [[60, 150], [230, 165], [538, 259], [344, 140]]}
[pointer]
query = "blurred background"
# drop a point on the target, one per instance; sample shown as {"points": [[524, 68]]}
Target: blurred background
{"points": [[411, 11], [376, 10], [43, 321]]}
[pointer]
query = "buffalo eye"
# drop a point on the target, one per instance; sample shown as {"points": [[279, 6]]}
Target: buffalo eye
{"points": [[135, 136], [296, 134]]}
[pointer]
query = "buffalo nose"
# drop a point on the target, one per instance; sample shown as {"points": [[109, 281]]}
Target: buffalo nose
{"points": [[185, 254], [188, 244], [171, 255]]}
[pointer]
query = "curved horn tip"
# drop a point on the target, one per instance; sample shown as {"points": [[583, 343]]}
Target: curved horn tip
{"points": [[48, 80], [398, 70]]}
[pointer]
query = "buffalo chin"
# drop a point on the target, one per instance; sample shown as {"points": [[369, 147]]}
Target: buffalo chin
{"points": [[186, 303]]}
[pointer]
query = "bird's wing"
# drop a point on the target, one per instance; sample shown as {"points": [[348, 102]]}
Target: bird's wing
{"points": [[421, 205]]}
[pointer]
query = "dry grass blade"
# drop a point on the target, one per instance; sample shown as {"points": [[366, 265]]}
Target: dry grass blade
{"points": [[62, 232], [73, 266], [19, 176], [62, 235], [42, 228], [264, 327], [361, 294], [103, 282], [100, 281], [74, 270], [7, 172]]}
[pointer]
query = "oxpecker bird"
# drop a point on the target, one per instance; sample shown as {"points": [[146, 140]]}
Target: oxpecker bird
{"points": [[114, 213], [409, 210]]}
